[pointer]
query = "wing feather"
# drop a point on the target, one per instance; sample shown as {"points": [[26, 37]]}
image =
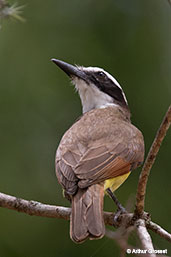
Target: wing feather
{"points": [[95, 166]]}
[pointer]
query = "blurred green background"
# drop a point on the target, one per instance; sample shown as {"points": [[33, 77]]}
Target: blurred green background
{"points": [[130, 39]]}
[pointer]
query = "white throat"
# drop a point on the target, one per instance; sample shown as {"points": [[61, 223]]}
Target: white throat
{"points": [[91, 96]]}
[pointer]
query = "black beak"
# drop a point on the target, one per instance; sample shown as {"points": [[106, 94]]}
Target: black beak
{"points": [[70, 70]]}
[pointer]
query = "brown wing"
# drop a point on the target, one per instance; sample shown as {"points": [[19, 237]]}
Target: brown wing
{"points": [[107, 164], [96, 165]]}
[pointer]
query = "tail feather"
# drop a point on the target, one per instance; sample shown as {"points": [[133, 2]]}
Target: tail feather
{"points": [[87, 214]]}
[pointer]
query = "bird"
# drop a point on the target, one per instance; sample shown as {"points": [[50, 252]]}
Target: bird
{"points": [[99, 151]]}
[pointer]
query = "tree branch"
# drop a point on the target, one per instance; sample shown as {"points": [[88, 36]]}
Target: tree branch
{"points": [[52, 211], [144, 237], [142, 183], [159, 230], [34, 208], [44, 210]]}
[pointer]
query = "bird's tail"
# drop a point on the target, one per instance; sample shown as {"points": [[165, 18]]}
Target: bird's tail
{"points": [[87, 214]]}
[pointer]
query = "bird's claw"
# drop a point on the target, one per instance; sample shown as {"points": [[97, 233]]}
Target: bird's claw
{"points": [[121, 210]]}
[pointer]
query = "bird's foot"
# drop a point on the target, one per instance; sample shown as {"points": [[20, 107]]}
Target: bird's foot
{"points": [[117, 216], [121, 210]]}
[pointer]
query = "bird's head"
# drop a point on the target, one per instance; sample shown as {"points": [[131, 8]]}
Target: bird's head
{"points": [[96, 87]]}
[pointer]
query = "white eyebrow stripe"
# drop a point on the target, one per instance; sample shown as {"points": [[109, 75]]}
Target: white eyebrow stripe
{"points": [[96, 69], [113, 79]]}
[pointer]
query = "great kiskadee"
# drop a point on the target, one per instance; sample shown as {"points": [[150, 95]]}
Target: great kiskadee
{"points": [[99, 150]]}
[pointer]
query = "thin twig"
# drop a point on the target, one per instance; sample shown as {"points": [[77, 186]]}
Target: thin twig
{"points": [[122, 241], [141, 190], [121, 236], [159, 230]]}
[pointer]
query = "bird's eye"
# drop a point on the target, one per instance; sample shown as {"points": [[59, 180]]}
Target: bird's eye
{"points": [[100, 74]]}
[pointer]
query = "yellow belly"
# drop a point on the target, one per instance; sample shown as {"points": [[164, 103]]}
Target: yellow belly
{"points": [[114, 183]]}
